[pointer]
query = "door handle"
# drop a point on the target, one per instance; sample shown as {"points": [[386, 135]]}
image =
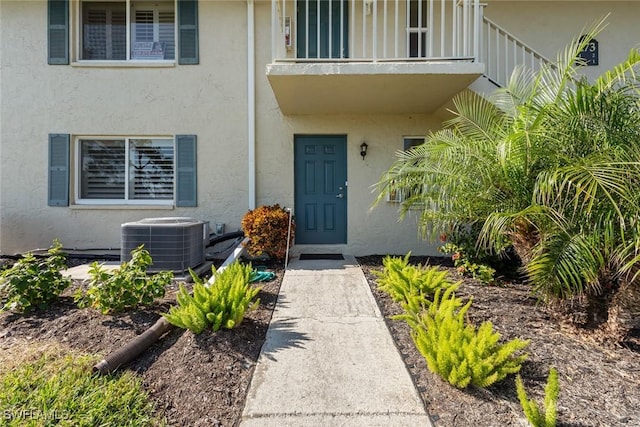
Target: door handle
{"points": [[339, 196]]}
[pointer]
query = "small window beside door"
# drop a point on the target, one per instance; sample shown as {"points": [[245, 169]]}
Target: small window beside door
{"points": [[398, 196]]}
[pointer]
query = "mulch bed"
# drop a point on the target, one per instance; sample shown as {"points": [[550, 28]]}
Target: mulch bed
{"points": [[599, 384], [195, 380], [203, 380]]}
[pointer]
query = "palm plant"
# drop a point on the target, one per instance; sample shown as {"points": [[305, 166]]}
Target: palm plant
{"points": [[548, 164]]}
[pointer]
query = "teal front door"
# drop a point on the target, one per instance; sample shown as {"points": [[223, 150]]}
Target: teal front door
{"points": [[320, 189]]}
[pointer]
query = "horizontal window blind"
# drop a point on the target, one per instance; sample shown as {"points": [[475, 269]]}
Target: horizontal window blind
{"points": [[103, 169], [153, 32], [151, 169], [127, 169]]}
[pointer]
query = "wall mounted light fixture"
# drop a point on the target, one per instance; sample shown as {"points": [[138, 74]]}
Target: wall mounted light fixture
{"points": [[367, 4], [363, 149]]}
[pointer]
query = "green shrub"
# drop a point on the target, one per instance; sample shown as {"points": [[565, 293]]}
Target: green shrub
{"points": [[457, 351], [400, 280], [466, 266], [34, 282], [55, 387], [221, 305], [127, 287], [530, 407], [267, 228]]}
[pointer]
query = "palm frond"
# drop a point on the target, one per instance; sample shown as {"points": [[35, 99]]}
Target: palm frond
{"points": [[475, 117], [519, 89], [553, 80], [621, 73], [594, 181], [564, 264]]}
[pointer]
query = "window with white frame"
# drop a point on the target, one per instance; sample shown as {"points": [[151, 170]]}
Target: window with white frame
{"points": [[125, 170], [137, 30], [408, 142]]}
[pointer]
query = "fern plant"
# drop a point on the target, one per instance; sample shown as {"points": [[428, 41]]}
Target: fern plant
{"points": [[34, 282], [401, 280], [221, 305], [127, 287], [457, 351], [534, 414]]}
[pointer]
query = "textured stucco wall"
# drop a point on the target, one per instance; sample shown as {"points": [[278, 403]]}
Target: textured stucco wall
{"points": [[209, 100]]}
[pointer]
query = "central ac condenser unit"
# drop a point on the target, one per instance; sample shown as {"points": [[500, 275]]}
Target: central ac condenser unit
{"points": [[175, 244]]}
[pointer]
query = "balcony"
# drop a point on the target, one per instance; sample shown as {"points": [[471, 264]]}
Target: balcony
{"points": [[373, 56]]}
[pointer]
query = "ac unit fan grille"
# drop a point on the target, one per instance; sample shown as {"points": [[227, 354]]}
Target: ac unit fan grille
{"points": [[175, 244]]}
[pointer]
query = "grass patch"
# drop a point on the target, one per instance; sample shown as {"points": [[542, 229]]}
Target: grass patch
{"points": [[46, 384]]}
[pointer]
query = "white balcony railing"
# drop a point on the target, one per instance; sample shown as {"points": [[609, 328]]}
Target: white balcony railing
{"points": [[376, 30]]}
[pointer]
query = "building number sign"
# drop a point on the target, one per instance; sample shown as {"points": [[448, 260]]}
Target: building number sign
{"points": [[589, 54]]}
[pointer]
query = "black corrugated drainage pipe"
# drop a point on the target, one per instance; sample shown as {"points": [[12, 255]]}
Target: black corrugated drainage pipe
{"points": [[134, 348], [143, 341], [228, 236]]}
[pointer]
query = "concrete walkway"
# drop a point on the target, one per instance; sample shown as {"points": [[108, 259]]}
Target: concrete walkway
{"points": [[328, 359]]}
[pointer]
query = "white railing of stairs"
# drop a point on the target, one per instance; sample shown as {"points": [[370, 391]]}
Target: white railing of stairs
{"points": [[502, 52]]}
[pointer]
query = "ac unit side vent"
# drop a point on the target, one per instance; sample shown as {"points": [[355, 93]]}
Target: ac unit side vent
{"points": [[175, 244]]}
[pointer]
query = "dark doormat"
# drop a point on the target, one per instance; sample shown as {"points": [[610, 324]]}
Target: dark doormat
{"points": [[306, 257]]}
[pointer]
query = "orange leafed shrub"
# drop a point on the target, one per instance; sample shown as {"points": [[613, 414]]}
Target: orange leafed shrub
{"points": [[266, 227]]}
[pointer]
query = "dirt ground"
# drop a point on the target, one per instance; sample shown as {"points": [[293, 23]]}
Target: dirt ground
{"points": [[203, 380]]}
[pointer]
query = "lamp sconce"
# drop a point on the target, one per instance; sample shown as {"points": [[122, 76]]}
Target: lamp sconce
{"points": [[367, 4], [363, 149]]}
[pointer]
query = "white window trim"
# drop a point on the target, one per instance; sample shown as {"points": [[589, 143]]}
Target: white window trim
{"points": [[77, 33], [77, 169]]}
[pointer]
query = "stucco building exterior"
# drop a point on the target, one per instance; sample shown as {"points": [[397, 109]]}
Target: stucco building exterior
{"points": [[113, 111]]}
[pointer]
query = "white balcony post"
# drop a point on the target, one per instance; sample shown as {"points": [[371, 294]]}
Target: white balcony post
{"points": [[454, 38], [342, 21], [384, 30], [443, 26], [397, 28], [477, 29], [364, 31], [505, 63], [374, 32], [317, 29], [352, 32], [274, 30], [419, 28], [465, 26], [282, 23]]}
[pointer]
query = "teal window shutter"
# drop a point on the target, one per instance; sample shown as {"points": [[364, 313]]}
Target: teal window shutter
{"points": [[58, 32], [186, 171], [59, 169], [188, 32]]}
